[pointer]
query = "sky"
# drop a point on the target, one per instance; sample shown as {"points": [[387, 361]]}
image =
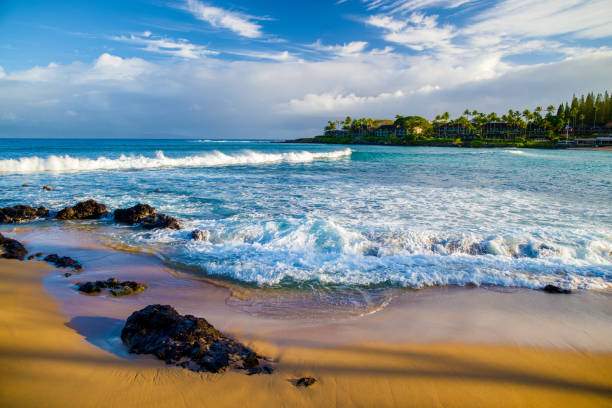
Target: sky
{"points": [[280, 69]]}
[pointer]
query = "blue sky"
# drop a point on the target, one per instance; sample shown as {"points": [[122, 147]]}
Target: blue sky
{"points": [[277, 69]]}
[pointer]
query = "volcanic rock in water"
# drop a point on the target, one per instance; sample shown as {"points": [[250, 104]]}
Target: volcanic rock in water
{"points": [[199, 235], [86, 210], [188, 341], [135, 214], [11, 249], [147, 216], [63, 262], [115, 287], [305, 382], [21, 213], [160, 221], [556, 289]]}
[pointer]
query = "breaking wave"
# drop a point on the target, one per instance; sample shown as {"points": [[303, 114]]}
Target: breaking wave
{"points": [[324, 252], [67, 163]]}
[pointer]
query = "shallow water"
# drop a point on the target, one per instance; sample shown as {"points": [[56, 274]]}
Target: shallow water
{"points": [[316, 216]]}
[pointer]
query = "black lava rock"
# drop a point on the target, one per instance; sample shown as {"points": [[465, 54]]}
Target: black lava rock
{"points": [[21, 213], [12, 249], [188, 341], [556, 290], [135, 214], [86, 210], [63, 262], [305, 382], [160, 221], [147, 216], [200, 235], [115, 287]]}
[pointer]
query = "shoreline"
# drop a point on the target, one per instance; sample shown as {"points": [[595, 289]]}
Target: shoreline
{"points": [[60, 348], [439, 144], [462, 314]]}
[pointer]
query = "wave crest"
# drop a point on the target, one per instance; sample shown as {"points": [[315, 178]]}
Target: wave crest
{"points": [[67, 163]]}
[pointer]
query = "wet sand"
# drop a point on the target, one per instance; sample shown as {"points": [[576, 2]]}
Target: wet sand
{"points": [[437, 347]]}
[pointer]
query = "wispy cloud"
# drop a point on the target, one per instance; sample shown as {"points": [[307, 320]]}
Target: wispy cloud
{"points": [[418, 31], [353, 48], [525, 18], [239, 23], [274, 56], [178, 48], [406, 6]]}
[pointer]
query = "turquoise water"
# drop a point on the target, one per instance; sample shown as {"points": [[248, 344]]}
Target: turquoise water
{"points": [[313, 215]]}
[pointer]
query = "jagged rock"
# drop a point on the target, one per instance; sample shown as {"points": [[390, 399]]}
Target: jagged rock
{"points": [[11, 249], [305, 382], [86, 210], [89, 288], [21, 213], [135, 214], [200, 235], [147, 216], [63, 262], [160, 221], [115, 287], [36, 255], [556, 289], [48, 188], [188, 341]]}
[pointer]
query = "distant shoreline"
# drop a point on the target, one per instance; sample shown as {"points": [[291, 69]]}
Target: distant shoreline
{"points": [[536, 145]]}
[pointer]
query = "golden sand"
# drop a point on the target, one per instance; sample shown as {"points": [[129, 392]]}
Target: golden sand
{"points": [[45, 363]]}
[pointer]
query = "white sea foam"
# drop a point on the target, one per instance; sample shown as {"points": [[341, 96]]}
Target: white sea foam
{"points": [[67, 163], [323, 251]]}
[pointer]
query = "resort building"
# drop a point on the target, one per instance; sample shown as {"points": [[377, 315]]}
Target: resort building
{"points": [[453, 131], [385, 131], [500, 130]]}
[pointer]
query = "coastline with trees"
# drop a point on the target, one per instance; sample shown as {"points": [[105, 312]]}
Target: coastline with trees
{"points": [[585, 121]]}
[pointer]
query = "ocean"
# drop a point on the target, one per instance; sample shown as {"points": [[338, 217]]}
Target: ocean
{"points": [[305, 216]]}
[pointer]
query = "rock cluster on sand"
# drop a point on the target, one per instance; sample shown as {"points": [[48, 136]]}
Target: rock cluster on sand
{"points": [[115, 287], [11, 249], [556, 289], [63, 262], [21, 213], [86, 210], [188, 341], [147, 216]]}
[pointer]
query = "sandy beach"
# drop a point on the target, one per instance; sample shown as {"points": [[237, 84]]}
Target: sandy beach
{"points": [[59, 348]]}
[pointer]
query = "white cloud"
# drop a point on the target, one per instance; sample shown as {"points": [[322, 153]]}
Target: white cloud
{"points": [[335, 102], [274, 56], [353, 48], [178, 48], [218, 17], [114, 68], [418, 31], [544, 18], [281, 99], [403, 6]]}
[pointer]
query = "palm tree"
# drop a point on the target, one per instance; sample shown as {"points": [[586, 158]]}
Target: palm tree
{"points": [[573, 114], [527, 116]]}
